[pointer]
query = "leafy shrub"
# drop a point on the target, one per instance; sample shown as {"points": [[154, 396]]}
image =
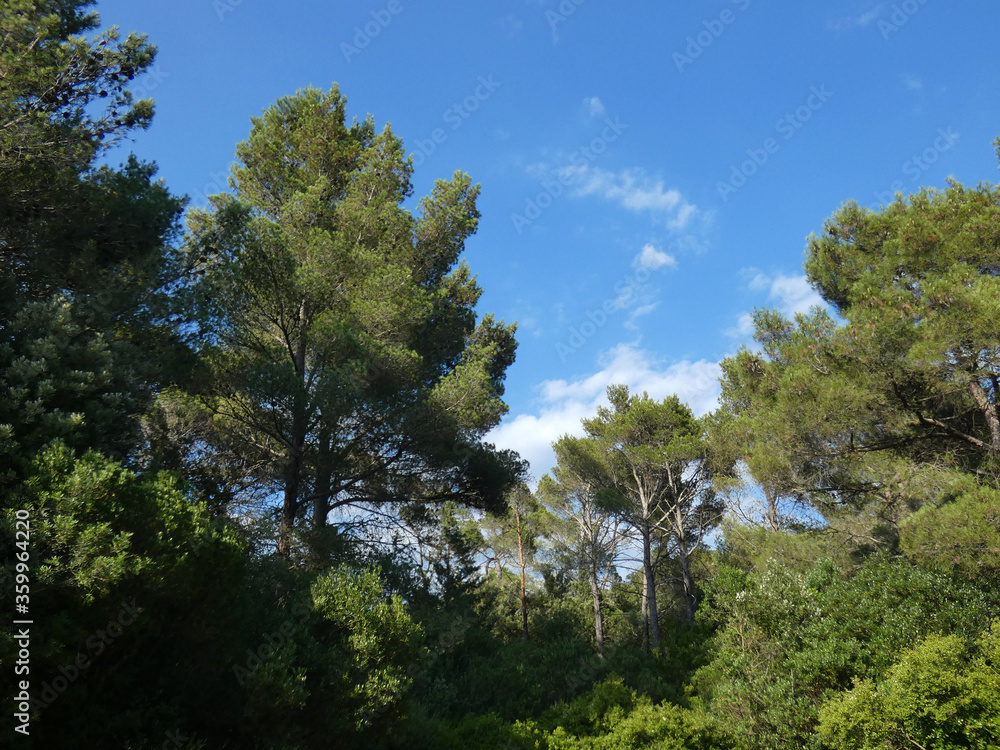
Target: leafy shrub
{"points": [[942, 694]]}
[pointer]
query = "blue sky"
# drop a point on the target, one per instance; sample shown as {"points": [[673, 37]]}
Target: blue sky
{"points": [[650, 171]]}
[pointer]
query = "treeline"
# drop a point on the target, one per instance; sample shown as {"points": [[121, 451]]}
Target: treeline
{"points": [[246, 443]]}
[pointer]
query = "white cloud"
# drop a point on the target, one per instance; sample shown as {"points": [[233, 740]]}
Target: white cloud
{"points": [[912, 83], [644, 310], [652, 258], [594, 107], [626, 296], [634, 191], [866, 18], [632, 292], [790, 294], [744, 326], [631, 188], [630, 324], [758, 282], [562, 403], [794, 295]]}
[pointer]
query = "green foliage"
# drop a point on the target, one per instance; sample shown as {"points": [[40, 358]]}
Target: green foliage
{"points": [[469, 668], [68, 227], [663, 726], [136, 585], [513, 678], [943, 694], [788, 641], [58, 383], [443, 567], [346, 360], [613, 717], [486, 731], [379, 638], [85, 262], [131, 584], [62, 97], [881, 413], [328, 667], [751, 547], [750, 430], [585, 526], [596, 711], [651, 459], [962, 536], [610, 716]]}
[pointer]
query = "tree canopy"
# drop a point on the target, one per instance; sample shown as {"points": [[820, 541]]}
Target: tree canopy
{"points": [[347, 362]]}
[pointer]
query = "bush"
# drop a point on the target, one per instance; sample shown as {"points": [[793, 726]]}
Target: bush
{"points": [[787, 642], [942, 694]]}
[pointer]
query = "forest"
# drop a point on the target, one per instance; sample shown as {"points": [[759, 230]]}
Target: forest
{"points": [[248, 499]]}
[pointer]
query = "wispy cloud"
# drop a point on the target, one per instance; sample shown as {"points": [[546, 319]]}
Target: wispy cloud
{"points": [[861, 20], [639, 312], [562, 404], [912, 83], [593, 107], [871, 16], [649, 259], [633, 190]]}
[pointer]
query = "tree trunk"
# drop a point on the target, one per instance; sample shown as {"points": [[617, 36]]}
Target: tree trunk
{"points": [[524, 596], [686, 581], [990, 411], [520, 554], [319, 549], [293, 464], [650, 587], [324, 482], [772, 508], [645, 615], [290, 500], [595, 592]]}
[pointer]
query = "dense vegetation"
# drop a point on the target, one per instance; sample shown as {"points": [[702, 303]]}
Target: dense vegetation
{"points": [[263, 515]]}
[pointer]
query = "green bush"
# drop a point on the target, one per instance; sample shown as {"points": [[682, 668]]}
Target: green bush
{"points": [[942, 694], [787, 642]]}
